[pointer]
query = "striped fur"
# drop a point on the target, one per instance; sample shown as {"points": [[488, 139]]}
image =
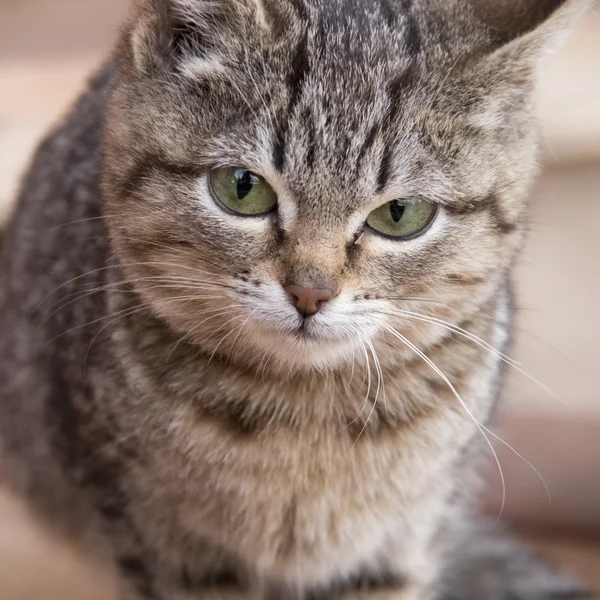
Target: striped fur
{"points": [[162, 401]]}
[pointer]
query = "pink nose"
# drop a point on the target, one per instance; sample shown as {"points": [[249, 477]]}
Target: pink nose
{"points": [[308, 301]]}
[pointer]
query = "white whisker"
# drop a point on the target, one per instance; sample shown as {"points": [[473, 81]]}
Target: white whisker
{"points": [[114, 288], [366, 400], [481, 428], [455, 329], [126, 310], [241, 330], [221, 311], [379, 375], [480, 342], [237, 317]]}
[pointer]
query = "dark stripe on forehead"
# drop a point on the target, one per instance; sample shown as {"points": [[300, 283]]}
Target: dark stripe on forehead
{"points": [[388, 13], [279, 149], [384, 170], [412, 35], [368, 144], [298, 73], [295, 83], [300, 8], [490, 204], [395, 92]]}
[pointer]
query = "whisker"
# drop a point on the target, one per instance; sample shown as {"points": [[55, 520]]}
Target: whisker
{"points": [[75, 222], [441, 374], [157, 278], [122, 313], [223, 311], [99, 332], [170, 265], [118, 266], [237, 337], [113, 288], [455, 329], [353, 358], [366, 400], [379, 375], [172, 249], [99, 270], [480, 342], [266, 356], [266, 364], [263, 357], [416, 299], [237, 317]]}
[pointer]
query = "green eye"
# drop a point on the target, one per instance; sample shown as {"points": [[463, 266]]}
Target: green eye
{"points": [[402, 219], [242, 192]]}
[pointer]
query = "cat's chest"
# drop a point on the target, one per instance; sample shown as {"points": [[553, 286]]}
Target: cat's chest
{"points": [[317, 506]]}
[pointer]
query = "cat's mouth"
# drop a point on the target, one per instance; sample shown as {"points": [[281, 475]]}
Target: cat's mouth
{"points": [[311, 333], [315, 342], [305, 331]]}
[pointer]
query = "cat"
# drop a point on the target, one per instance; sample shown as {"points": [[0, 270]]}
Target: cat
{"points": [[256, 299]]}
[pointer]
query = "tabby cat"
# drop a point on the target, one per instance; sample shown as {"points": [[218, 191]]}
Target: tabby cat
{"points": [[255, 299]]}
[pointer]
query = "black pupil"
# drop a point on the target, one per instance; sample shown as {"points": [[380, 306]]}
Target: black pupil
{"points": [[397, 211], [246, 180]]}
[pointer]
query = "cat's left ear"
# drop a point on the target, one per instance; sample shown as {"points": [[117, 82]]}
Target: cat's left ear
{"points": [[167, 33], [523, 31]]}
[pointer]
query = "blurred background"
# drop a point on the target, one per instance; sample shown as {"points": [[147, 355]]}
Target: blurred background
{"points": [[49, 47]]}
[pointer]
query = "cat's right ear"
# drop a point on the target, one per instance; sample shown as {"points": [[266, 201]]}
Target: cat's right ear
{"points": [[529, 28], [520, 33]]}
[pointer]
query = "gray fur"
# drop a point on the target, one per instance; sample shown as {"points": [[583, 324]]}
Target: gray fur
{"points": [[162, 402]]}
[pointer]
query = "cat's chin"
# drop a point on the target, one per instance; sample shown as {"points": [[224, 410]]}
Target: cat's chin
{"points": [[302, 350]]}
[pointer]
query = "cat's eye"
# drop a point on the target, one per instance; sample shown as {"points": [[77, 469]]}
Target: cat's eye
{"points": [[403, 219], [242, 192]]}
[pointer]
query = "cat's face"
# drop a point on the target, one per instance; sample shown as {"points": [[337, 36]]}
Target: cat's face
{"points": [[291, 182]]}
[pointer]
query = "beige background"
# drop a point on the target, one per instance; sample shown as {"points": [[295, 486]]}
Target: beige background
{"points": [[47, 48]]}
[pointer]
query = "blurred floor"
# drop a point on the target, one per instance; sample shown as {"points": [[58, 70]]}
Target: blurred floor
{"points": [[577, 557], [46, 50], [35, 566]]}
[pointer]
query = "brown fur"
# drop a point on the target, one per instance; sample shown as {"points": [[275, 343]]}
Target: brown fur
{"points": [[220, 445]]}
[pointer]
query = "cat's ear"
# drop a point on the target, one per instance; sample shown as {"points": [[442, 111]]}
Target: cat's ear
{"points": [[167, 33], [154, 35], [527, 29]]}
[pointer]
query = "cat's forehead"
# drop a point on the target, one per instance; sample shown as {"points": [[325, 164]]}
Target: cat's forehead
{"points": [[349, 97], [413, 24], [346, 103], [331, 140]]}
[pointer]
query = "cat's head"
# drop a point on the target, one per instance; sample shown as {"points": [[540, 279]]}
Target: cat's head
{"points": [[289, 180]]}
